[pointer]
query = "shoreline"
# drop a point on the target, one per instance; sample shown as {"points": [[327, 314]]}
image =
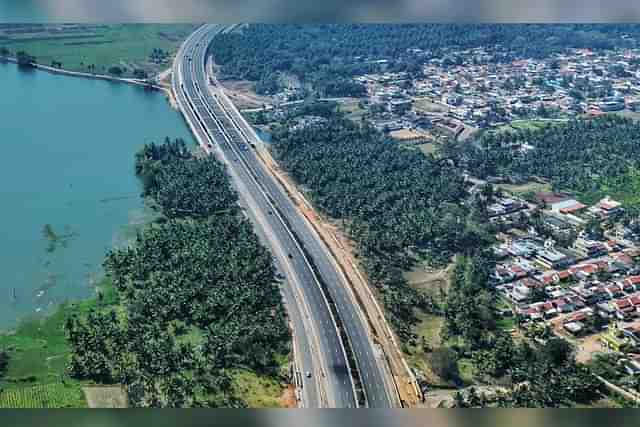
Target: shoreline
{"points": [[27, 317], [105, 77]]}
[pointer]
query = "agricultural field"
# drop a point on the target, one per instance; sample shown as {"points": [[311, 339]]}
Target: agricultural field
{"points": [[38, 357], [54, 395], [78, 46]]}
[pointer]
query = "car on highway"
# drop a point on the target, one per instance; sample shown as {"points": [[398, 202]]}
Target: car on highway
{"points": [[308, 374]]}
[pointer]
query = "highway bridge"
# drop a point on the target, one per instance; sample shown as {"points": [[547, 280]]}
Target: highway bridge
{"points": [[337, 363]]}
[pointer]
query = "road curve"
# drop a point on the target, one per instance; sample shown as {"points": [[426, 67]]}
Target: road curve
{"points": [[315, 292]]}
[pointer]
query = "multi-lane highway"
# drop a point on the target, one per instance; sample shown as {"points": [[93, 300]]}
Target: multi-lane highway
{"points": [[327, 323]]}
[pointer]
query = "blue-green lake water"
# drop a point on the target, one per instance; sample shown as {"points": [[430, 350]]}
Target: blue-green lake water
{"points": [[66, 164]]}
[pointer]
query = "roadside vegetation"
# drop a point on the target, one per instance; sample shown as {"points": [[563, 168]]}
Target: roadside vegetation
{"points": [[399, 206], [404, 209]]}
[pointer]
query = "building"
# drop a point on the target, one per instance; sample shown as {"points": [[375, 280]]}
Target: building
{"points": [[589, 248], [574, 328], [556, 223], [606, 209], [504, 206], [613, 105], [569, 206], [554, 258], [399, 106]]}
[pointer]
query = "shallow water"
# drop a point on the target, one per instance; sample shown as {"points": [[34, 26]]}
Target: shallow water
{"points": [[67, 186]]}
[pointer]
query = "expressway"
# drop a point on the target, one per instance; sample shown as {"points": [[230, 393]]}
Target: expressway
{"points": [[332, 344]]}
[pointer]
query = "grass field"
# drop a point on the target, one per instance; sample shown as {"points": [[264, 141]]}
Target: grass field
{"points": [[427, 106], [39, 350], [525, 188], [76, 47], [106, 397], [428, 329], [517, 125], [428, 148], [528, 124], [352, 109], [257, 391], [634, 115], [39, 354], [466, 369], [54, 395]]}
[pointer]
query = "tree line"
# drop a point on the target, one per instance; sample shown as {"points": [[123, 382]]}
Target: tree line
{"points": [[587, 156], [532, 373], [401, 206], [321, 54], [197, 291], [398, 205]]}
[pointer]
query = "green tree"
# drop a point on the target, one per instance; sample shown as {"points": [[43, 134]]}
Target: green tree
{"points": [[24, 59], [116, 70], [4, 362], [444, 362]]}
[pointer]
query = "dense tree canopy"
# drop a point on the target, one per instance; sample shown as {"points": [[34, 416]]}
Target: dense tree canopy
{"points": [[326, 53], [470, 306], [396, 203], [589, 156], [4, 362], [197, 290], [194, 188]]}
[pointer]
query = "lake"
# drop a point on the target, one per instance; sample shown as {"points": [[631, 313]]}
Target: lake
{"points": [[67, 182]]}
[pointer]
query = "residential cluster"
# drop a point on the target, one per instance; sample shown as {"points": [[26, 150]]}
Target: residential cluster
{"points": [[587, 286], [474, 90]]}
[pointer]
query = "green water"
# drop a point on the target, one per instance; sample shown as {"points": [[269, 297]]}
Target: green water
{"points": [[67, 187]]}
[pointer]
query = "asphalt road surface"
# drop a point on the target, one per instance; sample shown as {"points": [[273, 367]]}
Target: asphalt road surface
{"points": [[312, 280]]}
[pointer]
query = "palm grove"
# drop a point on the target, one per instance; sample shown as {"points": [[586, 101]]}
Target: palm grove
{"points": [[197, 294], [400, 207], [598, 157]]}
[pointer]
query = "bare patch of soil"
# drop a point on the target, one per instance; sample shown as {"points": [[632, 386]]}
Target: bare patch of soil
{"points": [[106, 397]]}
